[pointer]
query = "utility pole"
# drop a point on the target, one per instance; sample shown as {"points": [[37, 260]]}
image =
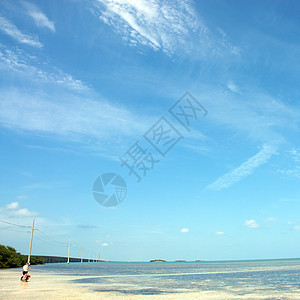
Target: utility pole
{"points": [[69, 251], [89, 254], [32, 228], [82, 254], [99, 257]]}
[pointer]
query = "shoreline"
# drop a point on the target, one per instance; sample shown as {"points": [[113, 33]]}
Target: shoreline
{"points": [[164, 261], [52, 285]]}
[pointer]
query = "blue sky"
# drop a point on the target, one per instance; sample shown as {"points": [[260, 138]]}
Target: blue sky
{"points": [[82, 81]]}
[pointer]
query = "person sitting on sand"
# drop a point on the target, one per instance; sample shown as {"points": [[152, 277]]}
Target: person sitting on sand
{"points": [[25, 276], [25, 268]]}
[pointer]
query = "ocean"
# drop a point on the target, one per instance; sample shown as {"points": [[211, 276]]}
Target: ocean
{"points": [[240, 278]]}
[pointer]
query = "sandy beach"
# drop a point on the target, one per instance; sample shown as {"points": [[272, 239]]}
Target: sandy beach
{"points": [[54, 286]]}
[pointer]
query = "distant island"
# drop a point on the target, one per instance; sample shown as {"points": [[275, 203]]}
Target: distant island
{"points": [[177, 261], [157, 260]]}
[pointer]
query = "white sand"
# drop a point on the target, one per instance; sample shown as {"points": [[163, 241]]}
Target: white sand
{"points": [[42, 286]]}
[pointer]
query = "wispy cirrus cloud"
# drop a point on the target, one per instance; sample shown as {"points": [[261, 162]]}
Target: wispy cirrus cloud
{"points": [[87, 226], [73, 118], [244, 170], [257, 114], [291, 172], [294, 169], [170, 26], [40, 19], [66, 108], [251, 224], [10, 29], [295, 155], [20, 63]]}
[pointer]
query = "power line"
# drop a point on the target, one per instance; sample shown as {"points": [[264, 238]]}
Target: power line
{"points": [[9, 229], [27, 227], [47, 242], [49, 237], [15, 224], [50, 240], [41, 235]]}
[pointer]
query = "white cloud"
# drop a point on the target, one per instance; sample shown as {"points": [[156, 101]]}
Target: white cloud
{"points": [[251, 224], [297, 228], [219, 233], [232, 87], [62, 106], [11, 210], [184, 230], [259, 116], [104, 244], [12, 205], [244, 170], [162, 25], [291, 172], [26, 66], [25, 213], [11, 30], [271, 219], [73, 118], [40, 19], [87, 226], [295, 155], [294, 171]]}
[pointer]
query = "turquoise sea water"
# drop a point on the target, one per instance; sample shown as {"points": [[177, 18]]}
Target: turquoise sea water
{"points": [[261, 277]]}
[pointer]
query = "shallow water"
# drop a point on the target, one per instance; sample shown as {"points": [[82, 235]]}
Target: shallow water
{"points": [[269, 277]]}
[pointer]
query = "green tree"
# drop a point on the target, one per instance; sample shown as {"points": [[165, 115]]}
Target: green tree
{"points": [[10, 258]]}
